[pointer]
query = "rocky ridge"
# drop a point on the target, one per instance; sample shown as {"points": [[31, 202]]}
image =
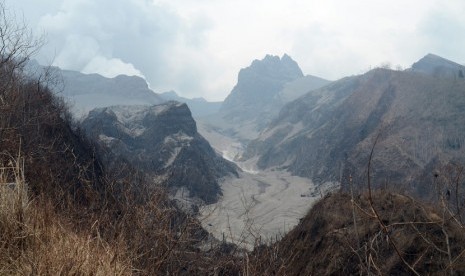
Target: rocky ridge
{"points": [[163, 141]]}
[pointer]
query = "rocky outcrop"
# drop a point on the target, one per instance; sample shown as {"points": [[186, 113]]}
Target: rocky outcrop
{"points": [[261, 91], [258, 84], [162, 140], [253, 98]]}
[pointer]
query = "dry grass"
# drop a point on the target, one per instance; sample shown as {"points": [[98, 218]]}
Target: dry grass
{"points": [[327, 242], [126, 236], [62, 212], [123, 238], [35, 240]]}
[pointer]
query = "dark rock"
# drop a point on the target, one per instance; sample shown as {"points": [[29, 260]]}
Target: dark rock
{"points": [[163, 141]]}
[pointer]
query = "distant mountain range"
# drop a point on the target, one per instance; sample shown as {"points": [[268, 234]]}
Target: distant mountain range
{"points": [[85, 92], [198, 106], [275, 118]]}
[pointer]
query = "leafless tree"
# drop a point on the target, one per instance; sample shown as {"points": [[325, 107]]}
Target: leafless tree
{"points": [[17, 45]]}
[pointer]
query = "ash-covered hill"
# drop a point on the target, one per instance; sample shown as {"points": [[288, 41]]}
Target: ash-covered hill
{"points": [[162, 140], [328, 134]]}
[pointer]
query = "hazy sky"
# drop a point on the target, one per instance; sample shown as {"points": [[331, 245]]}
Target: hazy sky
{"points": [[197, 47]]}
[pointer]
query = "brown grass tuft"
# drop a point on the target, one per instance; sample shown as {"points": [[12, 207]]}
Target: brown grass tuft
{"points": [[35, 240]]}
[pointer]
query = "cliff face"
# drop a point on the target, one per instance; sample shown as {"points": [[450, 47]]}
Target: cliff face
{"points": [[162, 140], [262, 89], [258, 84]]}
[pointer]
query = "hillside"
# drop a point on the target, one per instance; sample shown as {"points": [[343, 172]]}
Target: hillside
{"points": [[66, 209], [161, 140], [328, 134], [393, 235]]}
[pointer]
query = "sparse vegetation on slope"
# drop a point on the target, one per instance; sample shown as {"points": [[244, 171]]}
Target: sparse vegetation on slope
{"points": [[63, 211], [36, 240], [78, 216], [342, 236]]}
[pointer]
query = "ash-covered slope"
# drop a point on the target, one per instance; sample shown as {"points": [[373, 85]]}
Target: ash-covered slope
{"points": [[328, 134], [282, 141], [163, 141]]}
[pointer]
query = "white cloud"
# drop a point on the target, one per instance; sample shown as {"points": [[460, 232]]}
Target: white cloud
{"points": [[198, 46], [133, 36], [110, 67], [77, 51]]}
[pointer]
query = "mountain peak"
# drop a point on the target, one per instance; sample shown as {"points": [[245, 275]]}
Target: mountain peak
{"points": [[436, 60], [272, 58], [274, 67], [437, 66], [264, 78], [286, 58], [258, 86]]}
